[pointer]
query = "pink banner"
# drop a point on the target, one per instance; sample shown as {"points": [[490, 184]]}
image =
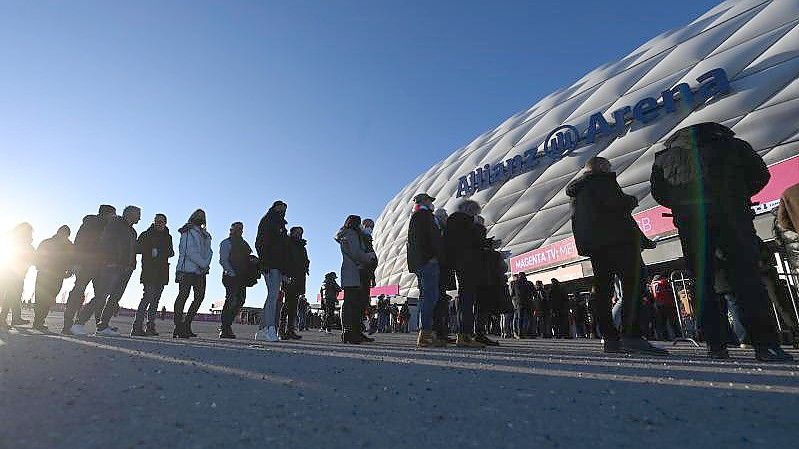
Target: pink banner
{"points": [[388, 290], [653, 224]]}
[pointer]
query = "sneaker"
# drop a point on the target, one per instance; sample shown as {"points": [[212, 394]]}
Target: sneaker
{"points": [[612, 347], [637, 345], [226, 332], [150, 330], [107, 332], [78, 329], [269, 334], [772, 353], [746, 346], [485, 340]]}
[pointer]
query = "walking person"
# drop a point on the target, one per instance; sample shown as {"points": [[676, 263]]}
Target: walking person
{"points": [[155, 247], [298, 268], [118, 245], [194, 262], [238, 273], [12, 276], [271, 244], [424, 249], [87, 261], [355, 259], [54, 261], [329, 298], [605, 231], [707, 177]]}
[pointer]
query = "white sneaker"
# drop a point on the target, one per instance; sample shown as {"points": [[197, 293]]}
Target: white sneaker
{"points": [[107, 332], [78, 329], [269, 334]]}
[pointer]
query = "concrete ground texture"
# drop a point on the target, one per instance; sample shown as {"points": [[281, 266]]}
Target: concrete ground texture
{"points": [[158, 392]]}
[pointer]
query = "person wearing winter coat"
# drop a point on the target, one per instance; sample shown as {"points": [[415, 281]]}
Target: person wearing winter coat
{"points": [[234, 256], [194, 262], [118, 247], [87, 261], [155, 247], [462, 247], [560, 309], [54, 261], [355, 260], [298, 269], [12, 275], [707, 177], [329, 297], [271, 244], [605, 231]]}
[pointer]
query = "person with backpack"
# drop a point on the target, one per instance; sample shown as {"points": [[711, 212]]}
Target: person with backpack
{"points": [[707, 178], [155, 247], [194, 262], [605, 231], [238, 273], [54, 261]]}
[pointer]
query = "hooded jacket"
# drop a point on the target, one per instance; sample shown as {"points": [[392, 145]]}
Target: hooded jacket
{"points": [[601, 213], [155, 248], [354, 257], [194, 250]]}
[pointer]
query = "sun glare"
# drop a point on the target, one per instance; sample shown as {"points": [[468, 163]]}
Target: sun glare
{"points": [[6, 248]]}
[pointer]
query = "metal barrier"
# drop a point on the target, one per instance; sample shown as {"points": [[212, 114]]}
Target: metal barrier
{"points": [[685, 312]]}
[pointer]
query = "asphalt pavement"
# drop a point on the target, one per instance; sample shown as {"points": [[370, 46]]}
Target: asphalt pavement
{"points": [[158, 392]]}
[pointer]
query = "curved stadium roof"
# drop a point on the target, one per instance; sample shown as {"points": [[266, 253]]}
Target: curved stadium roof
{"points": [[755, 42]]}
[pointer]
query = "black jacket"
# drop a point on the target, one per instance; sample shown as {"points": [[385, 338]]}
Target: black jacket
{"points": [[424, 240], [601, 213], [155, 269], [55, 256], [118, 243], [523, 292], [463, 245], [705, 164], [298, 264], [87, 241], [271, 243]]}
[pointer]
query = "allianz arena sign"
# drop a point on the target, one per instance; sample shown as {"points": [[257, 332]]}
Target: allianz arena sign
{"points": [[564, 139]]}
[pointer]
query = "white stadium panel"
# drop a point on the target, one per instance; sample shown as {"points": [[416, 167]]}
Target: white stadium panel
{"points": [[754, 45]]}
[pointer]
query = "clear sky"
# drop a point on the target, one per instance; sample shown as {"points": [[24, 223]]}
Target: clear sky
{"points": [[331, 106]]}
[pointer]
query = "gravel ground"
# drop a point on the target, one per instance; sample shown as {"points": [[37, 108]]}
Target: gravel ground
{"points": [[96, 392]]}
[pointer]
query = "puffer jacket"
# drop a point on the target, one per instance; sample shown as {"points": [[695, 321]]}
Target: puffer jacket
{"points": [[788, 243], [194, 250], [354, 257]]}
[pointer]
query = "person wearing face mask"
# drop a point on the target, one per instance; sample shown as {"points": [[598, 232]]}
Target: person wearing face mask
{"points": [[356, 260], [194, 262], [271, 244], [87, 261], [298, 269], [118, 244], [12, 276], [53, 264], [155, 247], [234, 256]]}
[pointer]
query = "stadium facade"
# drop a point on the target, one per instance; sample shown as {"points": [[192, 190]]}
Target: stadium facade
{"points": [[738, 64]]}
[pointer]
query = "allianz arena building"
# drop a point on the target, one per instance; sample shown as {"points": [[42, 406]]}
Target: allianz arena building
{"points": [[737, 65]]}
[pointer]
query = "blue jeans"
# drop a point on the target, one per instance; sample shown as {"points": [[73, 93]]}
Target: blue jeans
{"points": [[148, 304], [521, 321], [734, 315], [273, 279], [428, 276]]}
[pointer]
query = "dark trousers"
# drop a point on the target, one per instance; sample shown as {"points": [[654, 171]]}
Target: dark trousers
{"points": [[84, 275], [702, 232], [48, 286], [148, 306], [561, 321], [441, 317], [288, 323], [352, 309], [624, 261], [110, 286], [235, 295], [189, 282], [465, 310], [329, 315], [11, 297]]}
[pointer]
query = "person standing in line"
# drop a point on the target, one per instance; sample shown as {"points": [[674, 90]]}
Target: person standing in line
{"points": [[424, 249], [298, 269], [194, 262], [707, 178], [234, 256], [271, 244], [446, 283], [560, 309], [54, 259], [463, 243], [329, 297], [605, 231], [368, 278], [355, 261], [87, 261], [302, 313], [523, 292], [12, 277], [155, 247], [118, 245]]}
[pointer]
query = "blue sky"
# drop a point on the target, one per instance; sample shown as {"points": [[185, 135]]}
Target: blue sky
{"points": [[330, 106]]}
